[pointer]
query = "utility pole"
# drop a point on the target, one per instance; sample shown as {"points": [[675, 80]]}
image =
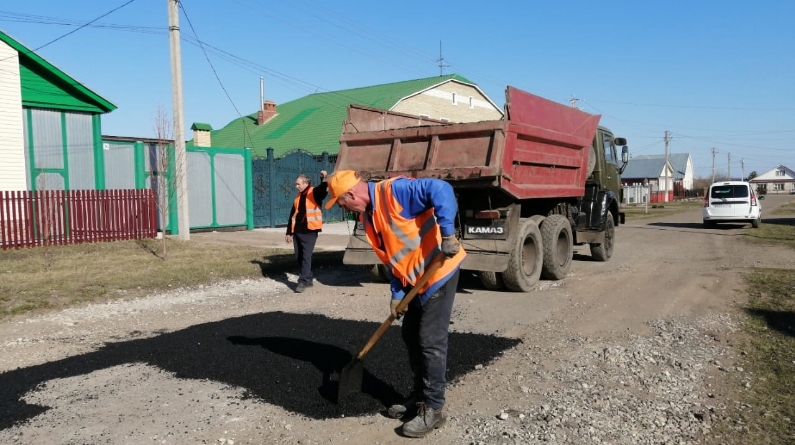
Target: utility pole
{"points": [[714, 150], [730, 165], [180, 154], [573, 101], [742, 168], [442, 66], [666, 138]]}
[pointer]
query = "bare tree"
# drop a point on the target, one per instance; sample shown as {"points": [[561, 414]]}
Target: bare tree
{"points": [[160, 164], [45, 214]]}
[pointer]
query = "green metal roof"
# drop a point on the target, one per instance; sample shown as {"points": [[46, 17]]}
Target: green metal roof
{"points": [[201, 126], [45, 86], [314, 122]]}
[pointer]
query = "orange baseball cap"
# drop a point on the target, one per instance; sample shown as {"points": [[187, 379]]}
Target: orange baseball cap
{"points": [[339, 183]]}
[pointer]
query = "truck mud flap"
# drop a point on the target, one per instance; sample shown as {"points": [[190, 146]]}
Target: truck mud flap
{"points": [[359, 252], [486, 261], [589, 236]]}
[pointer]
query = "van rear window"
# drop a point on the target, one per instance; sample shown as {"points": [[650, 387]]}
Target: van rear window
{"points": [[729, 191]]}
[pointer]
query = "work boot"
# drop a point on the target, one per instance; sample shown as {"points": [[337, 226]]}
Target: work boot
{"points": [[427, 420], [407, 409], [300, 288]]}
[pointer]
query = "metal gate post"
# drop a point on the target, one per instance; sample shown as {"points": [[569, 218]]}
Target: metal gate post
{"points": [[271, 185]]}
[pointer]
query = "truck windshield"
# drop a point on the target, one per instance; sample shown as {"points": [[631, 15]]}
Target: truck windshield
{"points": [[610, 150]]}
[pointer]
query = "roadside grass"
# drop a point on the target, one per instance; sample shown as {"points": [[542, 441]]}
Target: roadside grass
{"points": [[770, 345], [773, 230], [638, 211], [786, 209], [35, 279]]}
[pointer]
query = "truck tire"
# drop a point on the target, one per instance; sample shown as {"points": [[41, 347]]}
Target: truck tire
{"points": [[491, 280], [380, 273], [558, 245], [603, 251], [527, 257], [756, 223]]}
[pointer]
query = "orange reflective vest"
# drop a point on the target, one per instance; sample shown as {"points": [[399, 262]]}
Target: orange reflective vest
{"points": [[314, 217], [408, 245]]}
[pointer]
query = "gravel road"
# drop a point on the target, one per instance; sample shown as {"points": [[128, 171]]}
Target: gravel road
{"points": [[638, 350]]}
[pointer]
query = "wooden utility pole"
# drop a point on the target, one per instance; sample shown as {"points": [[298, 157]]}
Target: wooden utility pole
{"points": [[730, 165], [714, 150], [180, 154]]}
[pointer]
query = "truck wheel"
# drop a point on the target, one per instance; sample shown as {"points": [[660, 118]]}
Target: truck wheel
{"points": [[491, 280], [527, 256], [558, 245], [756, 223], [603, 251], [380, 273]]}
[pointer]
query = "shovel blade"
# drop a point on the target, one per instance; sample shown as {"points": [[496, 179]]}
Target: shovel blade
{"points": [[350, 379]]}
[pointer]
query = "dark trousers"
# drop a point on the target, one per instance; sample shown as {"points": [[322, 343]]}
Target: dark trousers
{"points": [[304, 244], [425, 332]]}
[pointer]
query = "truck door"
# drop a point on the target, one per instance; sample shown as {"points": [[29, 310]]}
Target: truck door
{"points": [[612, 180]]}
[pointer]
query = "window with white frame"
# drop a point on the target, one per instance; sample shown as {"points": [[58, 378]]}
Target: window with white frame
{"points": [[779, 172], [778, 187], [455, 99]]}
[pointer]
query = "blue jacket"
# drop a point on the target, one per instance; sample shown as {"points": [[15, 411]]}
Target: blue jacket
{"points": [[416, 196]]}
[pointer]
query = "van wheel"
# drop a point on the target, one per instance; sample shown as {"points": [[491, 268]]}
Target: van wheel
{"points": [[491, 280], [604, 251], [558, 247], [756, 223], [527, 257]]}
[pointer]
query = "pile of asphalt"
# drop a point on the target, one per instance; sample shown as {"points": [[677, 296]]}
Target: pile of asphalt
{"points": [[290, 360]]}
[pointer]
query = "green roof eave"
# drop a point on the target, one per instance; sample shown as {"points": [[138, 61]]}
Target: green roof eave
{"points": [[102, 104], [201, 126]]}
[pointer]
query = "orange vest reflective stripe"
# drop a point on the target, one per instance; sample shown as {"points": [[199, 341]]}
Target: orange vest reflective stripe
{"points": [[408, 245], [314, 217]]}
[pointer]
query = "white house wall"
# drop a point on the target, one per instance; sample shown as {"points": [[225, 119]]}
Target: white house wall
{"points": [[687, 181], [437, 103], [12, 145]]}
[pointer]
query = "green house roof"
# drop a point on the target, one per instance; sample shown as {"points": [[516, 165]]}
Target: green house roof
{"points": [[314, 122], [45, 86]]}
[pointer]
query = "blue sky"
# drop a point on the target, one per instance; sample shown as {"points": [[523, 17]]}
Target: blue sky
{"points": [[714, 74]]}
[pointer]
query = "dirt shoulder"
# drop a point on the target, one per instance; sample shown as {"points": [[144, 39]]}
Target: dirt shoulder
{"points": [[633, 351]]}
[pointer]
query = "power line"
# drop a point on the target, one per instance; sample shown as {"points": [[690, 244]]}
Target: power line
{"points": [[190, 24], [76, 29], [698, 107]]}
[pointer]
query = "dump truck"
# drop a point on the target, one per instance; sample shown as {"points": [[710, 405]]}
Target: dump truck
{"points": [[530, 186]]}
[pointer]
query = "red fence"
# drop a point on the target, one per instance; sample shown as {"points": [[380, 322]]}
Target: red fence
{"points": [[56, 217]]}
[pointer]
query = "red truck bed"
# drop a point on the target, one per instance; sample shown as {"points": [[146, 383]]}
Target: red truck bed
{"points": [[538, 150]]}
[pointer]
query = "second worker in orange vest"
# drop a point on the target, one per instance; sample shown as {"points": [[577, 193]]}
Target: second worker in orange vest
{"points": [[305, 222], [409, 223]]}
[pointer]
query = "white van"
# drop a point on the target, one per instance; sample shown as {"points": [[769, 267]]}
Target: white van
{"points": [[732, 202]]}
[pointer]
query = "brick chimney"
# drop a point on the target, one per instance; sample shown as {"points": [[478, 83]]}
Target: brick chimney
{"points": [[201, 134], [267, 112]]}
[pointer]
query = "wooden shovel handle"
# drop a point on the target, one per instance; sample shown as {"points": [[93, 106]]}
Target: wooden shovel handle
{"points": [[437, 263]]}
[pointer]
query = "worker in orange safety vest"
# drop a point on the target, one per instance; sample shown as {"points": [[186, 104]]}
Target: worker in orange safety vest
{"points": [[409, 223], [304, 224]]}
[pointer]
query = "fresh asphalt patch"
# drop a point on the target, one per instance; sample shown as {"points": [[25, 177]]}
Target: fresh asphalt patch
{"points": [[289, 360]]}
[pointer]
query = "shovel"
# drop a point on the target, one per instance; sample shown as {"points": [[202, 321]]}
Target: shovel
{"points": [[352, 374]]}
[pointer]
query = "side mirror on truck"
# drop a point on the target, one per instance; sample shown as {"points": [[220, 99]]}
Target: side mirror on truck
{"points": [[624, 156]]}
